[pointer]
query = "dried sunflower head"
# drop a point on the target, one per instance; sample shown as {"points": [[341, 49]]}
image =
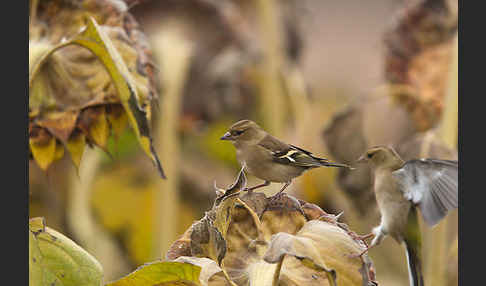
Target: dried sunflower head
{"points": [[256, 240], [89, 76]]}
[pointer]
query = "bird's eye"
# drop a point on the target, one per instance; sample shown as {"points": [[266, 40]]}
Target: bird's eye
{"points": [[238, 132], [370, 155]]}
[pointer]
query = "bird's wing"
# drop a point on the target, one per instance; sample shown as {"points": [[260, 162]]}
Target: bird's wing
{"points": [[432, 185], [292, 155]]}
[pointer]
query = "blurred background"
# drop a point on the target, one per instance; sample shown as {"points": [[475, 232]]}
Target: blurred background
{"points": [[333, 77]]}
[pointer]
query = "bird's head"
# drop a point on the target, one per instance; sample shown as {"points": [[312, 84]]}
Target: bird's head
{"points": [[244, 131], [381, 157]]}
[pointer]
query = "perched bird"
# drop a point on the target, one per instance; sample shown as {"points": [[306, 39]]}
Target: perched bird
{"points": [[268, 158], [400, 187]]}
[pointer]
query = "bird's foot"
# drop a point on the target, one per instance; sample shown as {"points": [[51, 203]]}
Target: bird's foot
{"points": [[356, 255], [377, 238], [280, 193], [365, 236], [277, 196]]}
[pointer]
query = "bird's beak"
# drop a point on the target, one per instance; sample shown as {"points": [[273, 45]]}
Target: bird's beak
{"points": [[226, 136], [362, 159]]}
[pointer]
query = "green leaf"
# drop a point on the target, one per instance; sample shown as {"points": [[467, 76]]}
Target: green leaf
{"points": [[56, 260], [161, 273]]}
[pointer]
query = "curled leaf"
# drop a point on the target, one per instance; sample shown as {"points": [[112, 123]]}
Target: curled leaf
{"points": [[211, 273], [323, 248], [208, 239], [94, 39]]}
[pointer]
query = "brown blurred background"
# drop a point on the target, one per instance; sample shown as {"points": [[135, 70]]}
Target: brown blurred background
{"points": [[333, 77]]}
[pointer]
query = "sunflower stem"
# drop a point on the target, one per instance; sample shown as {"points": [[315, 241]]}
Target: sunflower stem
{"points": [[174, 57]]}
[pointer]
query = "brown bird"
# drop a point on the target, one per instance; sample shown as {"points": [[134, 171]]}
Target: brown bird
{"points": [[400, 187], [268, 158]]}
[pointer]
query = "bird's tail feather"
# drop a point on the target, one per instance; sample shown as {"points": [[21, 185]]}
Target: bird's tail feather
{"points": [[413, 247], [414, 266], [333, 164]]}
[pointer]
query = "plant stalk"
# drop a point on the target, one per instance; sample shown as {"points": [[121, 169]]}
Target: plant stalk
{"points": [[437, 256], [173, 54], [83, 225], [271, 93]]}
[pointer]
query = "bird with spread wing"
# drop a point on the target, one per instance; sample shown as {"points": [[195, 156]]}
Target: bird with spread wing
{"points": [[430, 185]]}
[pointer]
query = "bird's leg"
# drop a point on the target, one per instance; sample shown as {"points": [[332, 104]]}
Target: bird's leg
{"points": [[283, 188], [363, 252], [378, 234], [366, 236], [266, 183], [279, 193]]}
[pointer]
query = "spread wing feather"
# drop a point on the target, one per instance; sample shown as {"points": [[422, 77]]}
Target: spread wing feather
{"points": [[432, 185]]}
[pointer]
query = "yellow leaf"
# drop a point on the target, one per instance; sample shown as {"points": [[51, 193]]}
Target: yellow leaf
{"points": [[75, 146], [162, 273], [44, 153], [99, 130]]}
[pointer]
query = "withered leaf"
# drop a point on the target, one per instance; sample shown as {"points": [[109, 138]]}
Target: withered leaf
{"points": [[301, 248], [208, 234], [43, 147], [224, 210], [207, 241], [75, 146], [211, 273], [60, 124], [319, 246]]}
